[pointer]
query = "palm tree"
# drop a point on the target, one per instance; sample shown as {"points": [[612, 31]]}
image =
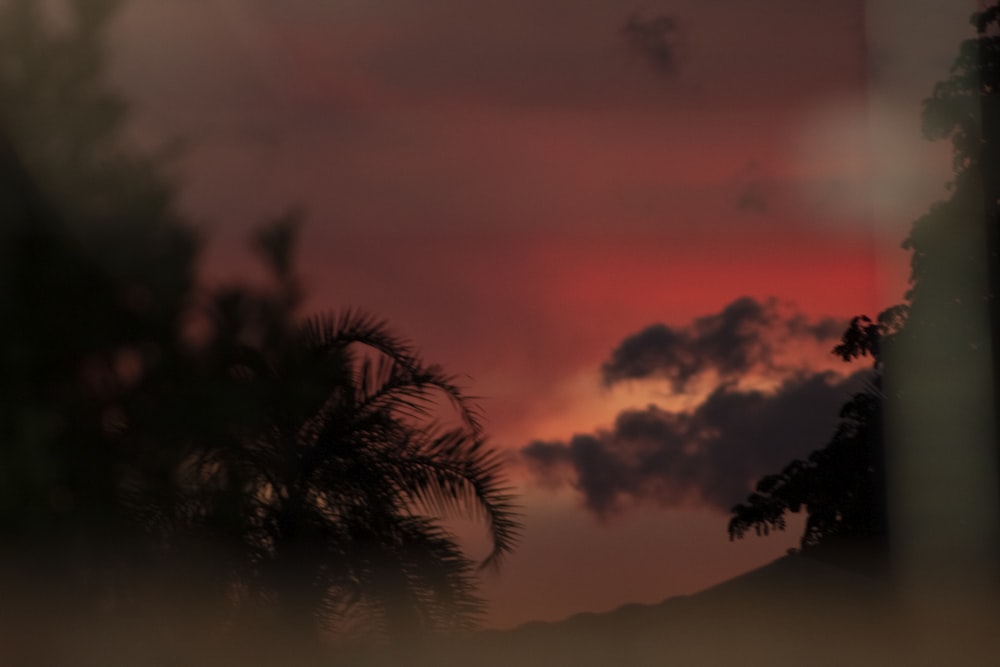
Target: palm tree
{"points": [[330, 471]]}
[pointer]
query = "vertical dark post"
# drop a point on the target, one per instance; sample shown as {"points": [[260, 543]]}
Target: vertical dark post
{"points": [[989, 79]]}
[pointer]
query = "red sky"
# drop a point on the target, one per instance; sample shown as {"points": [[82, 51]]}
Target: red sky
{"points": [[518, 187]]}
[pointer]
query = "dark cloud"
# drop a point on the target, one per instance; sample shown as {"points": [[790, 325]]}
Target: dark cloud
{"points": [[655, 39], [828, 328], [752, 199], [753, 195], [711, 456], [744, 336]]}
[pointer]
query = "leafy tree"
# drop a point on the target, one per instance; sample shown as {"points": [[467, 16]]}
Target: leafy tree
{"points": [[96, 272], [841, 487], [930, 354]]}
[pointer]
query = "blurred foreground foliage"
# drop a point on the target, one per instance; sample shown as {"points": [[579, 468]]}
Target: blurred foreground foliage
{"points": [[162, 440]]}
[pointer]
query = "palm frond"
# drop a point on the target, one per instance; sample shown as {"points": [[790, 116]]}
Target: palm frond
{"points": [[455, 474], [400, 373], [356, 449]]}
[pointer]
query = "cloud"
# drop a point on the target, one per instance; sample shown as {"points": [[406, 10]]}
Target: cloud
{"points": [[753, 193], [655, 39], [710, 456], [744, 336], [753, 199]]}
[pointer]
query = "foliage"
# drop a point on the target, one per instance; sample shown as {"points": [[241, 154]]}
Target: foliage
{"points": [[340, 450], [96, 272], [924, 349], [839, 485]]}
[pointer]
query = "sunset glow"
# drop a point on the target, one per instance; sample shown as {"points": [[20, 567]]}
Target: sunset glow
{"points": [[518, 189]]}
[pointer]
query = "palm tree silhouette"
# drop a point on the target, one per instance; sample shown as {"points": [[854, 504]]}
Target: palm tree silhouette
{"points": [[338, 451]]}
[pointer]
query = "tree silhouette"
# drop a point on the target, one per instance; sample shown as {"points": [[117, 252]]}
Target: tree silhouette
{"points": [[929, 353], [95, 277], [342, 449], [841, 487], [158, 436]]}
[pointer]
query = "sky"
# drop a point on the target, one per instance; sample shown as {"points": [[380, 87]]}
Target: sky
{"points": [[634, 230]]}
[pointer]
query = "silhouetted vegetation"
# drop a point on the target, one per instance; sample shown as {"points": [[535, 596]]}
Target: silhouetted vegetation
{"points": [[930, 352], [158, 438]]}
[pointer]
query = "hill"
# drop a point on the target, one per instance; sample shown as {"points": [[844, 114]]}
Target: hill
{"points": [[793, 611]]}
